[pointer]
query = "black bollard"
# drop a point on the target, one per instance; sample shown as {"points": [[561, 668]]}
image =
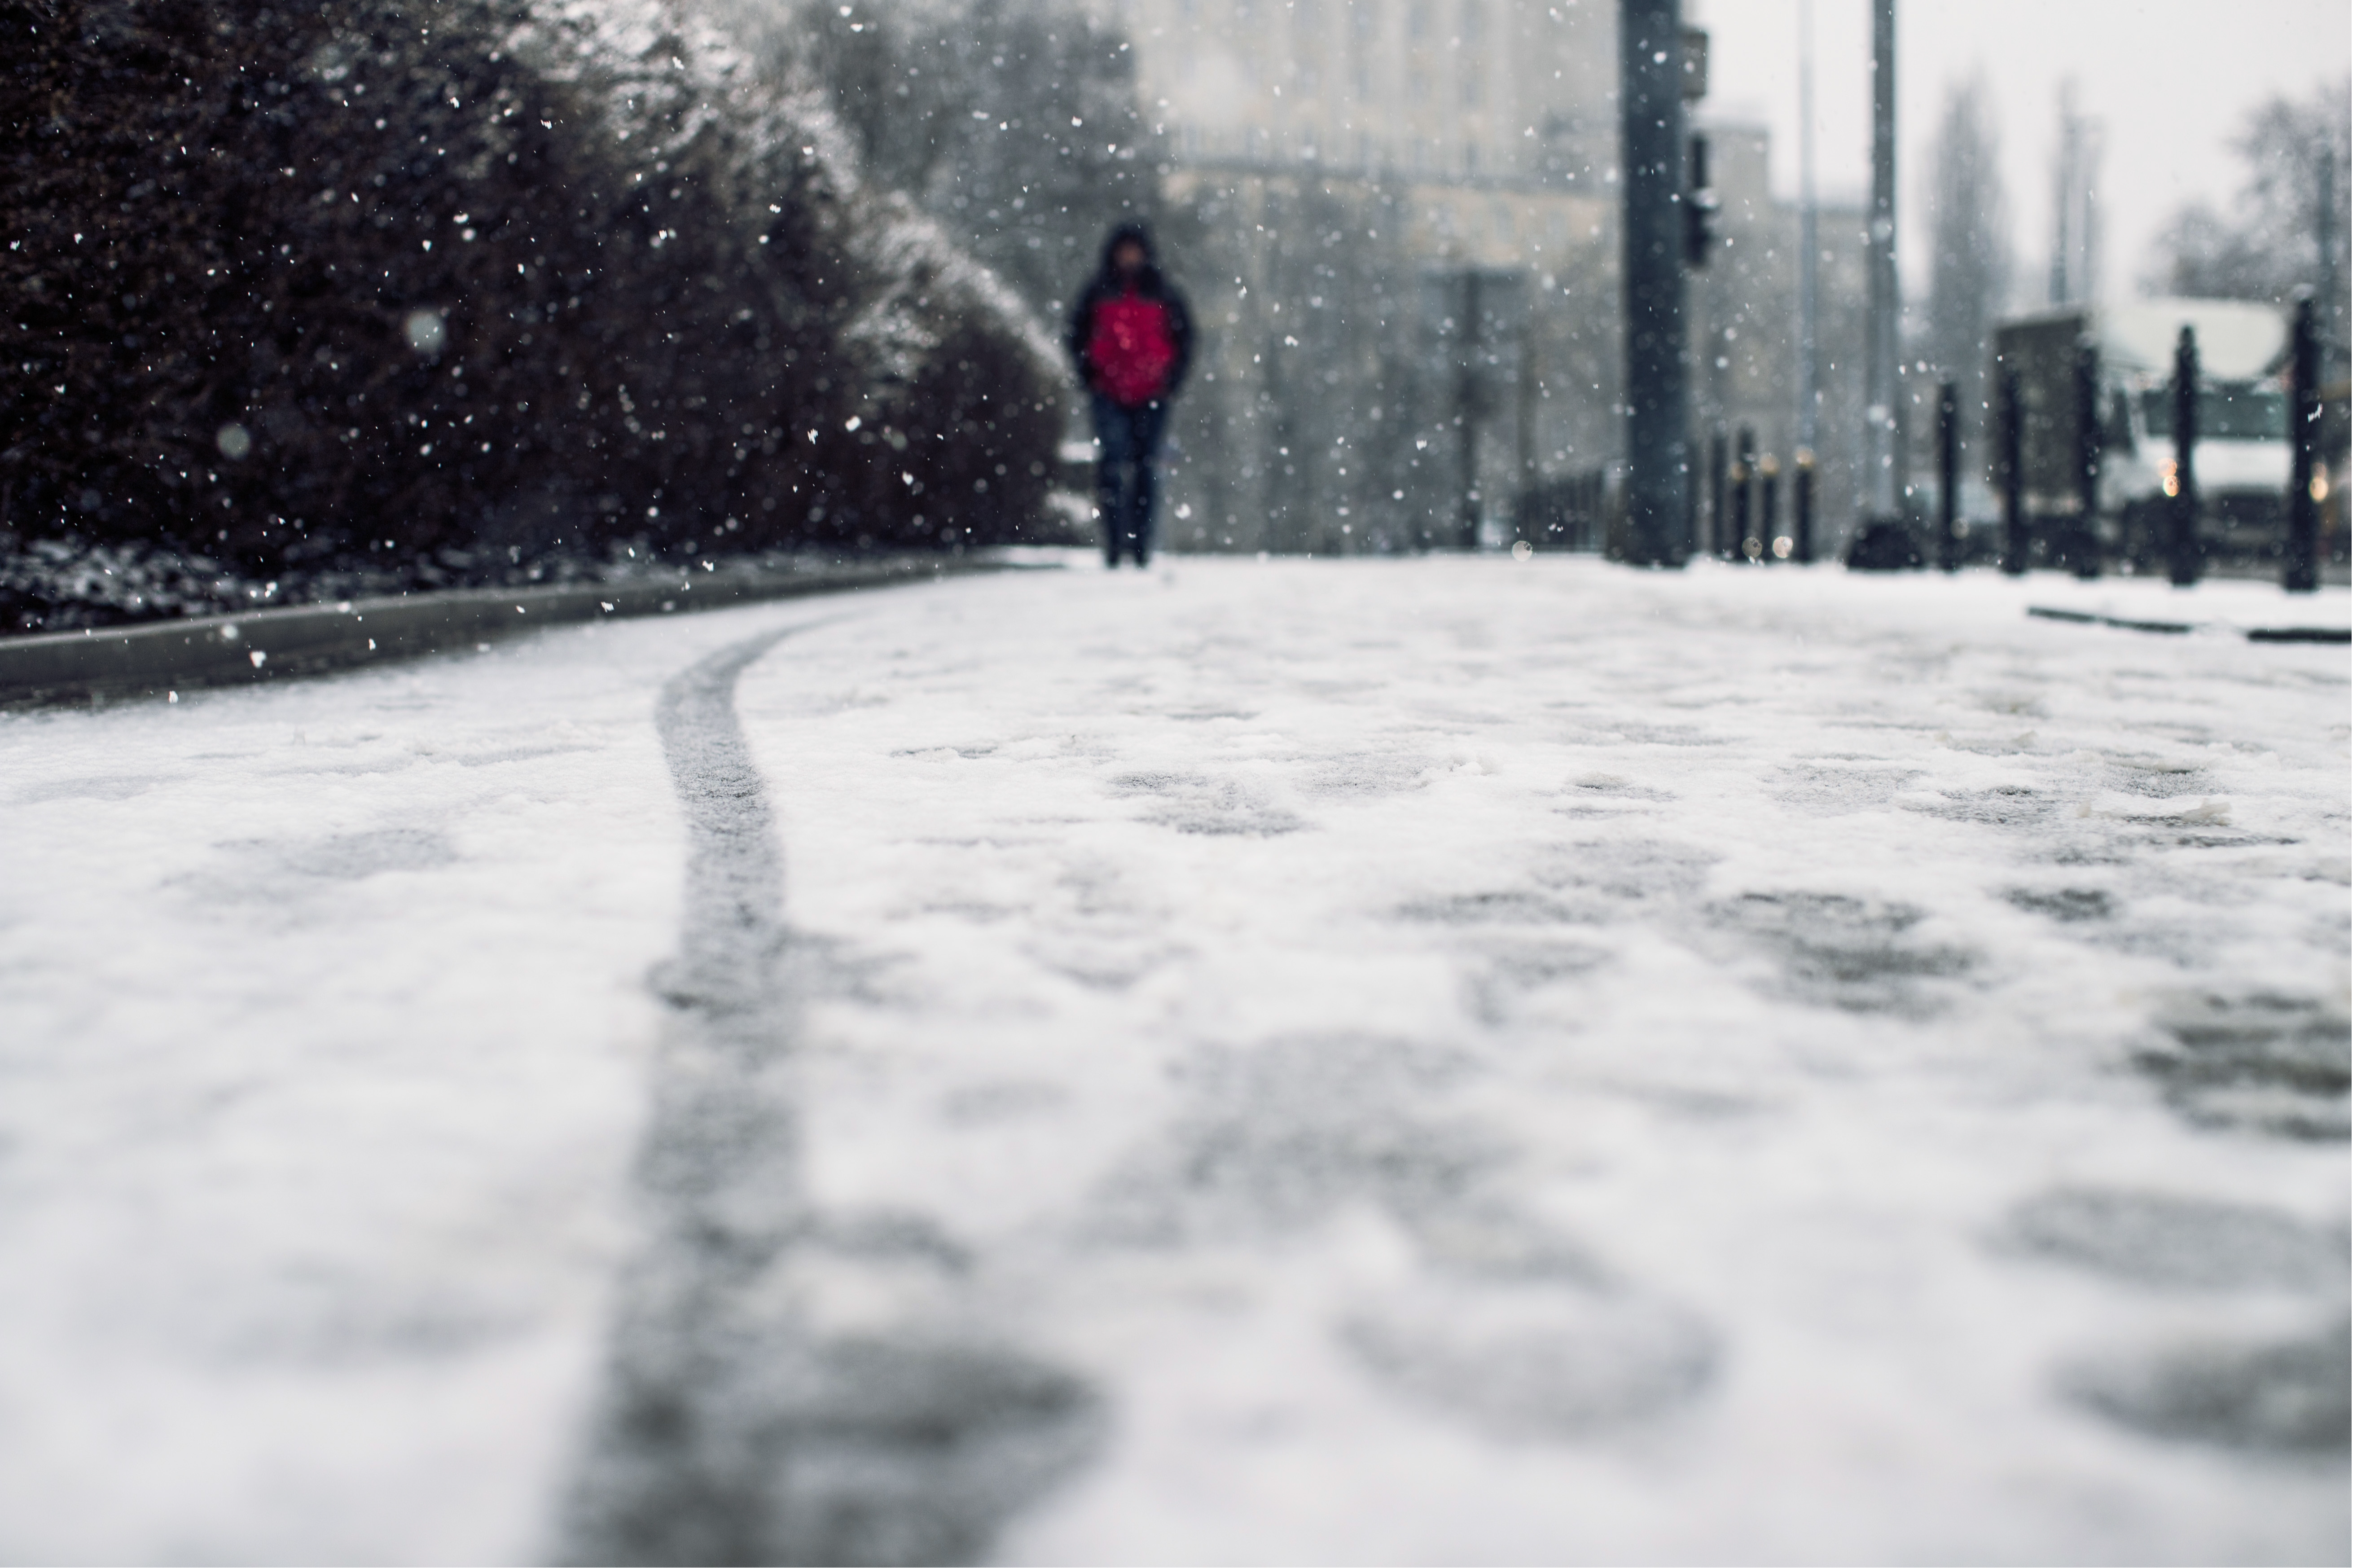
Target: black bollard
{"points": [[2183, 518], [1951, 530], [1471, 395], [1718, 544], [1745, 541], [1777, 547], [2087, 547], [2307, 415], [2016, 560], [1805, 506]]}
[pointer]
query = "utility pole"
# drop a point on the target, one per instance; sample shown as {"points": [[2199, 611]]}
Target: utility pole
{"points": [[2074, 272], [2066, 173], [1653, 269], [1885, 454]]}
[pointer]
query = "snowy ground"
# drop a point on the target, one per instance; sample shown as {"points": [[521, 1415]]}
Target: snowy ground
{"points": [[1388, 1061]]}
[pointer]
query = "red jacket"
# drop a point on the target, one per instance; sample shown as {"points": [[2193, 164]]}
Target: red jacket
{"points": [[1131, 337]]}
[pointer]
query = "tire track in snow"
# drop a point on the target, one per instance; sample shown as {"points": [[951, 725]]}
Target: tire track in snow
{"points": [[784, 1385]]}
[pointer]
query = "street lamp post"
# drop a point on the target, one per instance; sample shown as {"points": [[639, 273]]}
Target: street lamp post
{"points": [[1886, 446], [1805, 349]]}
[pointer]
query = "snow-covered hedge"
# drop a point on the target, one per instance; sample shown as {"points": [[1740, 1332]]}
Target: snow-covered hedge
{"points": [[370, 282]]}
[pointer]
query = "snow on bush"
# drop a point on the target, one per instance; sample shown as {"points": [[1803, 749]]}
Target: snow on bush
{"points": [[382, 283]]}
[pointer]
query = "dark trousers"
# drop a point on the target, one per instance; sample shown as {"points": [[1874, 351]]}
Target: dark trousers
{"points": [[1128, 441]]}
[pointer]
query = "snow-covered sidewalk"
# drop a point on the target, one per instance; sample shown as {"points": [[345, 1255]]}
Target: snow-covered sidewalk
{"points": [[1377, 1060]]}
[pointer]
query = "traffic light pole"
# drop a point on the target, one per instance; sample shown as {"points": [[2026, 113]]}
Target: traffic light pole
{"points": [[1653, 267]]}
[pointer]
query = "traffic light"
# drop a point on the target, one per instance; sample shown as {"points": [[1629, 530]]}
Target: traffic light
{"points": [[1702, 202]]}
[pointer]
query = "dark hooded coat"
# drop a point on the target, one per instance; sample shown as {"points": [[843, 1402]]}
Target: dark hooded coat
{"points": [[1147, 283]]}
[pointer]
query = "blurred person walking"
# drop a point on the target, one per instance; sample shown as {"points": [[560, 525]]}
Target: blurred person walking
{"points": [[1131, 339]]}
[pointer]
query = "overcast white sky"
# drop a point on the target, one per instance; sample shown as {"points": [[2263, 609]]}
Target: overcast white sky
{"points": [[2170, 80]]}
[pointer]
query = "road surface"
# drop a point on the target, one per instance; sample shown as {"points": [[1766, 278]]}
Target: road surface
{"points": [[1375, 1061]]}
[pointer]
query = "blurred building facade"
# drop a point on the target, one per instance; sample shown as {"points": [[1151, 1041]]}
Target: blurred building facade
{"points": [[1517, 90], [1397, 218], [1400, 220], [1743, 313]]}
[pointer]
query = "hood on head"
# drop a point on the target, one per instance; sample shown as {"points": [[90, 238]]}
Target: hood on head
{"points": [[1125, 234]]}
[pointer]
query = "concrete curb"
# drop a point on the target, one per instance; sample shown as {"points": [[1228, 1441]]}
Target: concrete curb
{"points": [[113, 662]]}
